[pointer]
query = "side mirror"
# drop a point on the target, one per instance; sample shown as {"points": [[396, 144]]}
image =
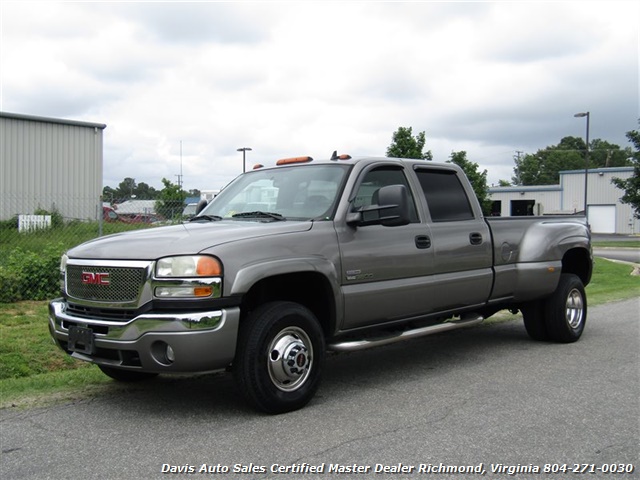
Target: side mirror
{"points": [[392, 209], [201, 204]]}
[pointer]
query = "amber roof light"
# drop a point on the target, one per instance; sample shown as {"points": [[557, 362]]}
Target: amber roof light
{"points": [[335, 156], [288, 161]]}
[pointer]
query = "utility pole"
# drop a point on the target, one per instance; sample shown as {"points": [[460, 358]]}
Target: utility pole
{"points": [[518, 153], [244, 151], [180, 175], [586, 161]]}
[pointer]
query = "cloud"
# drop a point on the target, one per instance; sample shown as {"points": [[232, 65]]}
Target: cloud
{"points": [[292, 78]]}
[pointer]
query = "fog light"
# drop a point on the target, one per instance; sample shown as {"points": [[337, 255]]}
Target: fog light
{"points": [[171, 357], [162, 353]]}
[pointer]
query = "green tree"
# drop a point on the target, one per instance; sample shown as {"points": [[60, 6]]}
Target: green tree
{"points": [[126, 188], [405, 145], [145, 192], [109, 195], [477, 179], [544, 166], [631, 185], [170, 202], [603, 154]]}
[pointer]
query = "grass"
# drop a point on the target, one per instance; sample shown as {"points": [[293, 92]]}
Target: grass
{"points": [[33, 371], [612, 281], [69, 236], [25, 346], [617, 244]]}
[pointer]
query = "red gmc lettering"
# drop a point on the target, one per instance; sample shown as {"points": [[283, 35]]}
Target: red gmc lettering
{"points": [[91, 278]]}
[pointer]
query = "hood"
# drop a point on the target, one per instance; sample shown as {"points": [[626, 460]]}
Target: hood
{"points": [[184, 239]]}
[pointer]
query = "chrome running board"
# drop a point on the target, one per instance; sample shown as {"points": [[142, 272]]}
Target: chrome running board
{"points": [[354, 345]]}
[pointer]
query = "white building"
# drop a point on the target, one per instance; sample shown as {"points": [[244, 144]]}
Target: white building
{"points": [[605, 212], [208, 195], [136, 207], [50, 164]]}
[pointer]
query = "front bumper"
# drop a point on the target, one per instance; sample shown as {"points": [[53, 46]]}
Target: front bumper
{"points": [[198, 341]]}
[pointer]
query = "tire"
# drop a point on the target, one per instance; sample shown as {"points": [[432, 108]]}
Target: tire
{"points": [[122, 375], [566, 310], [280, 357], [534, 321]]}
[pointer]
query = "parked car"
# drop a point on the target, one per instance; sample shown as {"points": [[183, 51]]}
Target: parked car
{"points": [[109, 214], [141, 218]]}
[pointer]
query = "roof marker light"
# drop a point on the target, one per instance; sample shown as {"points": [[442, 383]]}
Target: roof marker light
{"points": [[335, 156], [288, 161]]}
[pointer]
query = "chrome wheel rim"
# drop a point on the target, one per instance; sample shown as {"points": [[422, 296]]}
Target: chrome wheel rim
{"points": [[290, 358], [574, 311]]}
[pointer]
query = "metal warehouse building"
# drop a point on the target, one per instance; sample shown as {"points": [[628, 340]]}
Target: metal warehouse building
{"points": [[50, 164], [605, 212]]}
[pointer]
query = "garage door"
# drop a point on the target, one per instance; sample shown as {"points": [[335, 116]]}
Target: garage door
{"points": [[602, 218]]}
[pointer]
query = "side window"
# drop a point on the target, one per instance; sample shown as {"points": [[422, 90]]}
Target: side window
{"points": [[446, 197], [381, 177]]}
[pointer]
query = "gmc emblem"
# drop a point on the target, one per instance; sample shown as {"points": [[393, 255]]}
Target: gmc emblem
{"points": [[90, 278]]}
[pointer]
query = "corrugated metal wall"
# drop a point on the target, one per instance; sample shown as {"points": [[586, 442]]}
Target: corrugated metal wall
{"points": [[569, 196], [50, 164], [600, 192]]}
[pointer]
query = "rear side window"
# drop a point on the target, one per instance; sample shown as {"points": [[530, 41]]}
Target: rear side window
{"points": [[446, 197]]}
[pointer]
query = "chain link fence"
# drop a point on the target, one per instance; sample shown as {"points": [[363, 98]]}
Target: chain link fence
{"points": [[34, 236]]}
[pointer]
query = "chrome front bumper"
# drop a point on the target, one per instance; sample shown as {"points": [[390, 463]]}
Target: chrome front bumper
{"points": [[153, 342]]}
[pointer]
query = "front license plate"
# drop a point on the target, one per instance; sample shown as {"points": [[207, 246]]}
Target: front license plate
{"points": [[81, 340]]}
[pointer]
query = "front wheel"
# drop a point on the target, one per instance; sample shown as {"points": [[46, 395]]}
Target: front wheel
{"points": [[566, 310], [280, 356]]}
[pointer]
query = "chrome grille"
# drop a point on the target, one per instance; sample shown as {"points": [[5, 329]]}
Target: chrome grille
{"points": [[124, 283]]}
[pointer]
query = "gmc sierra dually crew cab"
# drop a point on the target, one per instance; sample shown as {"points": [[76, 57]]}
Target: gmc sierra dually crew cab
{"points": [[291, 261]]}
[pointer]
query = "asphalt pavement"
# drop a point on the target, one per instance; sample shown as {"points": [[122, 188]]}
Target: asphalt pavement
{"points": [[618, 253], [486, 400]]}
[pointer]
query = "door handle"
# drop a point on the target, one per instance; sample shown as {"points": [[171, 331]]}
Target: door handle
{"points": [[475, 238], [423, 241]]}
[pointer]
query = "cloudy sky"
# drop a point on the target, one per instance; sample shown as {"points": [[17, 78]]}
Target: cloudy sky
{"points": [[181, 86]]}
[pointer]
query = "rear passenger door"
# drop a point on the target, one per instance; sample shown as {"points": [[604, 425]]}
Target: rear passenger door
{"points": [[460, 241]]}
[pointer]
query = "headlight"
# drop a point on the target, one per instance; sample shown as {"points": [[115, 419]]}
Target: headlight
{"points": [[188, 276], [63, 270], [188, 266], [63, 263]]}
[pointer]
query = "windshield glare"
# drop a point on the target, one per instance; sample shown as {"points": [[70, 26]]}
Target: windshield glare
{"points": [[296, 192]]}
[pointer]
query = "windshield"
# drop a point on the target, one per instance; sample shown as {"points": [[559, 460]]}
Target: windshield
{"points": [[287, 193]]}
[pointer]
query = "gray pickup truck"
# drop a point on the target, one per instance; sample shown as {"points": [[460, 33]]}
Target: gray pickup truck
{"points": [[291, 261]]}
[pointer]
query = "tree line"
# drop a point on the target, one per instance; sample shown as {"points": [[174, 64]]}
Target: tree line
{"points": [[129, 189], [540, 168], [169, 200]]}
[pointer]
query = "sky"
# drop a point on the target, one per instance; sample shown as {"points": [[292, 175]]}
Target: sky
{"points": [[181, 86]]}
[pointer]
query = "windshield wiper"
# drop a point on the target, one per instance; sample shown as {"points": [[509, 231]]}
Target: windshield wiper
{"points": [[208, 218], [259, 214]]}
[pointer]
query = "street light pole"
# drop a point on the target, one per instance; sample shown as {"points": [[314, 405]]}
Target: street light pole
{"points": [[244, 158], [586, 160]]}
